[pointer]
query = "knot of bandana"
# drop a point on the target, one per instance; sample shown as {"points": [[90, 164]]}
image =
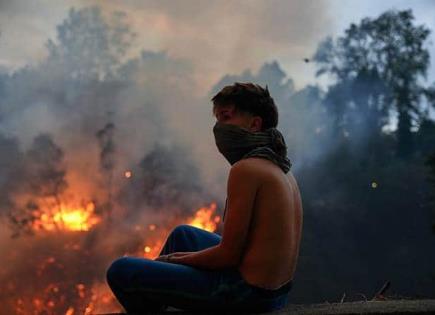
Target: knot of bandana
{"points": [[236, 143]]}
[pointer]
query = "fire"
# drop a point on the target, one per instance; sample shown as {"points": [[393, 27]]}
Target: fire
{"points": [[152, 251], [86, 296], [203, 218], [66, 217], [97, 298]]}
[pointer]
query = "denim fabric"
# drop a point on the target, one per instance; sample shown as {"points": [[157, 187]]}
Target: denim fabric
{"points": [[143, 285]]}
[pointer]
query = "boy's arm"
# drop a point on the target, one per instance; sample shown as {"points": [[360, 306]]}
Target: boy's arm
{"points": [[241, 192]]}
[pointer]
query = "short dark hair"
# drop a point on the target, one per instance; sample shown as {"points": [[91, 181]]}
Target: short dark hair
{"points": [[250, 98]]}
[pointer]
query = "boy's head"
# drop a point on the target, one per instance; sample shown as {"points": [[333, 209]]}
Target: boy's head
{"points": [[246, 105]]}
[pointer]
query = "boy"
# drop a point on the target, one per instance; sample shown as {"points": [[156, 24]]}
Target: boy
{"points": [[251, 266]]}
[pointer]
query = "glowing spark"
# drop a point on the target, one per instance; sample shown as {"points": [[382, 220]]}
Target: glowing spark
{"points": [[152, 227], [147, 249], [51, 260], [128, 174]]}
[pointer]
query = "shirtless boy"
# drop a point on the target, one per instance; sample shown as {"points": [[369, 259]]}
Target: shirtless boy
{"points": [[263, 215]]}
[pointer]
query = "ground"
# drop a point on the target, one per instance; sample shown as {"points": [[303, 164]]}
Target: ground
{"points": [[396, 307]]}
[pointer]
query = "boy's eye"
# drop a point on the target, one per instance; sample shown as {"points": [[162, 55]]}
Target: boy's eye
{"points": [[223, 116]]}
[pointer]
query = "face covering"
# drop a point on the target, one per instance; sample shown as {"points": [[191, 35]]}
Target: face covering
{"points": [[236, 143]]}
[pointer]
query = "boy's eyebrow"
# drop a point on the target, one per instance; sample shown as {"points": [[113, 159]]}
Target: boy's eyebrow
{"points": [[228, 110]]}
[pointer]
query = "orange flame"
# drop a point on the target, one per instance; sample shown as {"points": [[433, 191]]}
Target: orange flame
{"points": [[67, 218], [203, 218]]}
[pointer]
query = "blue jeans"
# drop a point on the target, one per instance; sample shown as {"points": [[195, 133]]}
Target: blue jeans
{"points": [[144, 285]]}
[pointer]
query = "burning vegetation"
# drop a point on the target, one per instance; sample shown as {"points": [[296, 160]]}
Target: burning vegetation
{"points": [[67, 218], [60, 269], [64, 237]]}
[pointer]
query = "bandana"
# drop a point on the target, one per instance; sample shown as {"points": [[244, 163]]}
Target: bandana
{"points": [[236, 143]]}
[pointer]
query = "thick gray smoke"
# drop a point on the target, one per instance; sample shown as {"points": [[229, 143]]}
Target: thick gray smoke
{"points": [[89, 124]]}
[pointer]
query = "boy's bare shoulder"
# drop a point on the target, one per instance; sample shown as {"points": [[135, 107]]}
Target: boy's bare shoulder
{"points": [[251, 162], [257, 165]]}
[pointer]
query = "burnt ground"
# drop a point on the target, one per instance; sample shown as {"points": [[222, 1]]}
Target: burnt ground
{"points": [[396, 307]]}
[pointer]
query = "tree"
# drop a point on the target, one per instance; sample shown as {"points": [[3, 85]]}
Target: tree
{"points": [[430, 164], [88, 45], [384, 58], [40, 182]]}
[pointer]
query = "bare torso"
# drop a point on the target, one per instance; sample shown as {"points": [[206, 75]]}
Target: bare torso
{"points": [[272, 248]]}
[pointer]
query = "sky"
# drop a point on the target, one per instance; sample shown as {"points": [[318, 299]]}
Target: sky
{"points": [[217, 37]]}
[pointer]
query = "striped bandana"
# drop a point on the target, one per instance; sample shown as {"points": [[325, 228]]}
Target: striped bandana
{"points": [[236, 143]]}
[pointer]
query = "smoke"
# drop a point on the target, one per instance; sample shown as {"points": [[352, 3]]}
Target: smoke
{"points": [[165, 93], [217, 37], [229, 37], [84, 87], [70, 128], [302, 118]]}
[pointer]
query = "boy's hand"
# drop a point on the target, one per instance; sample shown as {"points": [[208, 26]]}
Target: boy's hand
{"points": [[162, 258], [172, 257]]}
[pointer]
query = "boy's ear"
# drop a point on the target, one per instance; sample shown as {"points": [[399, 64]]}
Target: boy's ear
{"points": [[256, 123]]}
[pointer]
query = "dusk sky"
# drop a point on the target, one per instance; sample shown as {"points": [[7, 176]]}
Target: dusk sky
{"points": [[216, 37]]}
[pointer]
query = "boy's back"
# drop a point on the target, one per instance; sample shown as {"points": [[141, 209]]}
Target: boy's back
{"points": [[272, 246]]}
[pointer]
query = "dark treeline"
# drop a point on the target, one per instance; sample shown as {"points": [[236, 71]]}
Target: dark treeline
{"points": [[368, 190], [374, 186]]}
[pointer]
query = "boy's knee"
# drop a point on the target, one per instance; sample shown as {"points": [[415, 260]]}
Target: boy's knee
{"points": [[182, 228], [116, 269]]}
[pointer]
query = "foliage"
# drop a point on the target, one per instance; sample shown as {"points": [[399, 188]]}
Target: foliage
{"points": [[90, 45], [378, 65]]}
